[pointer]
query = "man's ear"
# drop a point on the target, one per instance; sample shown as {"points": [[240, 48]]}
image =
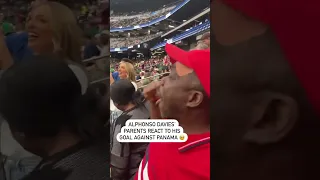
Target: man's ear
{"points": [[195, 98], [273, 117]]}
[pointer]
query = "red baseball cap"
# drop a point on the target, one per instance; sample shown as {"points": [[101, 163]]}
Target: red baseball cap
{"points": [[294, 24], [197, 61]]}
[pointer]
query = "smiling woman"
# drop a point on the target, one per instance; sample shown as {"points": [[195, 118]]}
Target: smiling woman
{"points": [[51, 28]]}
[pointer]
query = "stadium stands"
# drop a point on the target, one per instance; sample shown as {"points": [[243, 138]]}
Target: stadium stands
{"points": [[146, 19]]}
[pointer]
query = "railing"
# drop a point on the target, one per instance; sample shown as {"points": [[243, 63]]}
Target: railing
{"points": [[141, 87], [153, 76], [193, 31], [100, 80], [95, 58], [100, 68]]}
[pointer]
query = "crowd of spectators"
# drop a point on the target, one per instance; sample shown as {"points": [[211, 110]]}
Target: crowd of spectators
{"points": [[131, 41], [139, 89], [95, 41], [86, 12], [127, 20], [60, 139], [146, 70]]}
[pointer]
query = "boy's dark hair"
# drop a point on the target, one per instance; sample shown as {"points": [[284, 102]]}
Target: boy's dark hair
{"points": [[123, 92]]}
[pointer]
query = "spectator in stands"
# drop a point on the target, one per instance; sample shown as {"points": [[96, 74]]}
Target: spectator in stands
{"points": [[41, 38], [130, 41], [91, 29], [126, 71], [114, 73], [155, 74], [91, 48], [185, 96], [63, 38], [147, 78], [201, 45], [46, 117], [125, 157], [205, 38], [132, 19], [140, 76], [7, 28]]}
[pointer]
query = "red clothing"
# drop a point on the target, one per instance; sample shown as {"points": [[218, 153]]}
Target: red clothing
{"points": [[294, 24], [166, 61], [177, 161]]}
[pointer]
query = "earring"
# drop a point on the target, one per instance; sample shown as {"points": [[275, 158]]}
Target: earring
{"points": [[56, 46]]}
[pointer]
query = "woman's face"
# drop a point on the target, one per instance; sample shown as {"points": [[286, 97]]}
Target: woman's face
{"points": [[40, 33], [123, 74]]}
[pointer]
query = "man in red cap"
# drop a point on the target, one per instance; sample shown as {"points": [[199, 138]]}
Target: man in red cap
{"points": [[183, 95], [205, 38], [266, 95]]}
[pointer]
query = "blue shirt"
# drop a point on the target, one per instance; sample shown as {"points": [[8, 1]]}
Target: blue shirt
{"points": [[115, 76], [90, 51], [17, 44]]}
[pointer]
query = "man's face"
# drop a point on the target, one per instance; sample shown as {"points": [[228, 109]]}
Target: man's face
{"points": [[173, 94], [249, 73], [207, 41]]}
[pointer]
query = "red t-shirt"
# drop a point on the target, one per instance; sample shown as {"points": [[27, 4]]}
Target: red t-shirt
{"points": [[177, 161]]}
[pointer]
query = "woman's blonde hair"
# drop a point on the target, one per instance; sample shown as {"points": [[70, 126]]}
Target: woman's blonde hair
{"points": [[67, 34], [130, 71]]}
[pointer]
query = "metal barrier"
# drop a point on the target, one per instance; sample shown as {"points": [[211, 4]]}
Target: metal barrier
{"points": [[100, 68], [95, 58], [101, 80], [141, 87], [153, 76]]}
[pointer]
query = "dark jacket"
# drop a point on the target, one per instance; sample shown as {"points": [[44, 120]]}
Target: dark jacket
{"points": [[126, 157]]}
